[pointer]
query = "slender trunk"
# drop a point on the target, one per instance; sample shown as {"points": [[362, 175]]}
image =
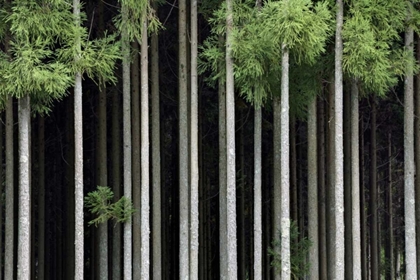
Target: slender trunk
{"points": [[183, 144], [347, 187], [293, 173], [374, 266], [145, 173], [417, 156], [1, 195], [102, 181], [9, 221], [285, 170], [127, 151], [116, 181], [313, 191], [24, 217], [389, 247], [135, 132], [194, 145], [241, 198], [232, 267], [363, 230], [329, 190], [321, 191], [338, 220], [355, 181], [258, 253], [409, 165], [41, 198], [78, 144], [222, 180], [156, 165]]}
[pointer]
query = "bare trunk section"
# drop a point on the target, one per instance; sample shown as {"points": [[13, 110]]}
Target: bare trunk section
{"points": [[241, 197], [194, 241], [285, 169], [135, 134], [417, 155], [41, 198], [347, 187], [24, 216], [2, 179], [294, 201], [232, 266], [338, 220], [127, 150], [409, 165], [374, 254], [156, 163], [183, 144], [355, 181], [78, 160], [389, 247], [145, 174], [258, 252], [9, 221], [277, 178], [363, 225], [313, 191]]}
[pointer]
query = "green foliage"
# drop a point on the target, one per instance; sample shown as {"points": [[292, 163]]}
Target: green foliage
{"points": [[99, 203], [299, 249]]}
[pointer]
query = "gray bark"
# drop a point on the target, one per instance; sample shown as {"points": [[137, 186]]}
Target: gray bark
{"points": [[136, 169], [417, 155], [338, 219], [194, 241], [355, 182], [24, 216], [257, 195], [78, 160], [183, 144], [127, 239], [313, 191], [41, 199], [232, 266], [156, 165], [145, 207], [389, 251], [409, 165], [277, 178], [347, 186]]}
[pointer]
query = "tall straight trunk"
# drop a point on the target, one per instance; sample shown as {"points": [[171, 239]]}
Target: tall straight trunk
{"points": [[194, 146], [363, 224], [24, 216], [127, 151], [222, 181], [409, 165], [258, 253], [241, 197], [232, 265], [313, 191], [135, 133], [347, 187], [389, 247], [1, 195], [156, 165], [329, 190], [374, 254], [9, 267], [321, 191], [145, 205], [41, 198], [294, 201], [417, 156], [338, 220], [183, 144], [355, 181], [116, 181], [285, 170], [78, 160], [102, 180]]}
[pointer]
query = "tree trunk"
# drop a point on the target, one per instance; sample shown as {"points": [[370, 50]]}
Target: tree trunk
{"points": [[232, 267], [409, 165], [338, 220], [363, 226], [2, 179], [355, 181], [41, 198], [156, 165], [258, 253], [145, 173], [24, 217], [194, 145], [321, 191], [183, 144], [417, 156], [389, 247], [135, 134], [241, 198], [374, 254], [313, 191], [347, 187], [329, 190], [78, 144]]}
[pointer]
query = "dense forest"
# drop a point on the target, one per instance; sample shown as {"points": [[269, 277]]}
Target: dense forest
{"points": [[211, 139]]}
